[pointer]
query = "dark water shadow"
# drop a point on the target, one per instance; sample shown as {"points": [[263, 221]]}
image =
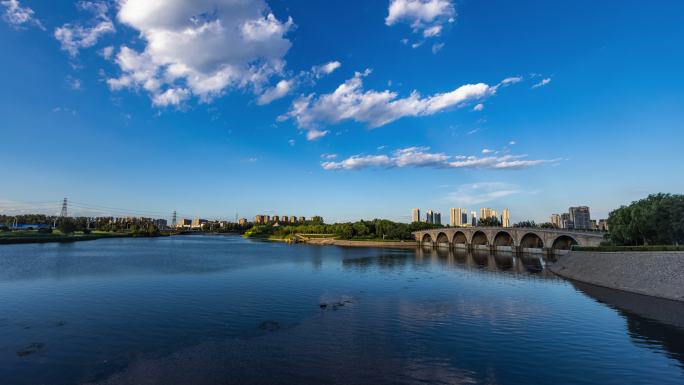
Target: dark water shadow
{"points": [[650, 320]]}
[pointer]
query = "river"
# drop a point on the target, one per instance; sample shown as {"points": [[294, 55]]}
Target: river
{"points": [[226, 310]]}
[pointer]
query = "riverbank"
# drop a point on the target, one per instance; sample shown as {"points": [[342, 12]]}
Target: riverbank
{"points": [[49, 238], [653, 273], [353, 243]]}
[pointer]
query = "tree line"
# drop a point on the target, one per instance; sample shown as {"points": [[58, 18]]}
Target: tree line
{"points": [[655, 220], [360, 230]]}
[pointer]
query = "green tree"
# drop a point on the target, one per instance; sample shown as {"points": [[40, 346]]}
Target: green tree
{"points": [[66, 226], [490, 222], [655, 220]]}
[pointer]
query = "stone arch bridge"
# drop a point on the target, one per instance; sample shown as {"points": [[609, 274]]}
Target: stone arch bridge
{"points": [[515, 239]]}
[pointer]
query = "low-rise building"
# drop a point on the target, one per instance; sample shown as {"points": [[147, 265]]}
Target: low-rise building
{"points": [[183, 223]]}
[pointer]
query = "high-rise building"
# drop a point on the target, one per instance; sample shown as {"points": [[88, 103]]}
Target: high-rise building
{"points": [[602, 225], [429, 217], [580, 217], [555, 220], [437, 217], [506, 218], [415, 215], [458, 217], [488, 213], [566, 222], [242, 221], [473, 218]]}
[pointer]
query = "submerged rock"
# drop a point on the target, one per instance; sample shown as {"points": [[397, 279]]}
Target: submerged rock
{"points": [[270, 326], [34, 347]]}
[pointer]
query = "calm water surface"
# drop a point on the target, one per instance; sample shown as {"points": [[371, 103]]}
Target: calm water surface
{"points": [[224, 310]]}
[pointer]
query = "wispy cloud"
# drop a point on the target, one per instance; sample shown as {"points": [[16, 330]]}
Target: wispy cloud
{"points": [[19, 17], [476, 193], [422, 157], [542, 83], [74, 37]]}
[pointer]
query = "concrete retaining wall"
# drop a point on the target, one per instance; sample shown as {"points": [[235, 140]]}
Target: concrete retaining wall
{"points": [[658, 274]]}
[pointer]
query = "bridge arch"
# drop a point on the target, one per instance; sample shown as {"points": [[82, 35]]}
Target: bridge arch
{"points": [[479, 238], [531, 241], [564, 242], [442, 239], [427, 239], [460, 238], [503, 238]]}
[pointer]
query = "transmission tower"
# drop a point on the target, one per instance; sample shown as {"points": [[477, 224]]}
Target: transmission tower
{"points": [[173, 219], [63, 214]]}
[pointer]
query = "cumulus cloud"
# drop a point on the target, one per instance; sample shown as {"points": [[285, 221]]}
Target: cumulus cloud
{"points": [[74, 37], [488, 151], [204, 47], [422, 157], [427, 17], [376, 108], [278, 91], [325, 69], [19, 17], [171, 97], [478, 107], [542, 83], [476, 193]]}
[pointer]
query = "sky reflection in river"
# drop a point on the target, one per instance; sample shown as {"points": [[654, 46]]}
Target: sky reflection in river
{"points": [[208, 310]]}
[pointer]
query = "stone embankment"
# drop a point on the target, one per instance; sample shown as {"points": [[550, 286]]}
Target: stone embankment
{"points": [[657, 274], [346, 243]]}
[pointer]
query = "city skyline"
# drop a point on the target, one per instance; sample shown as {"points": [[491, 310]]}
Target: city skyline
{"points": [[479, 105]]}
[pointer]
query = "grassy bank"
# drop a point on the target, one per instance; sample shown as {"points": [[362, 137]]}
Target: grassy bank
{"points": [[629, 248]]}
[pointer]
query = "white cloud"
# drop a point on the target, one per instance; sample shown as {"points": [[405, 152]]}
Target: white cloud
{"points": [[171, 97], [476, 193], [437, 47], [488, 151], [316, 134], [425, 16], [325, 69], [205, 46], [358, 162], [512, 143], [107, 52], [73, 83], [542, 83], [18, 16], [478, 107], [75, 37], [291, 142], [511, 80], [376, 108], [278, 91], [329, 156], [421, 157]]}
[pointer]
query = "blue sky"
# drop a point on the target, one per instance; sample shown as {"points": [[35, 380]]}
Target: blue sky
{"points": [[345, 109]]}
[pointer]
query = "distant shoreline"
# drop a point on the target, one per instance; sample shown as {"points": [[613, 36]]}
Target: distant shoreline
{"points": [[9, 240]]}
